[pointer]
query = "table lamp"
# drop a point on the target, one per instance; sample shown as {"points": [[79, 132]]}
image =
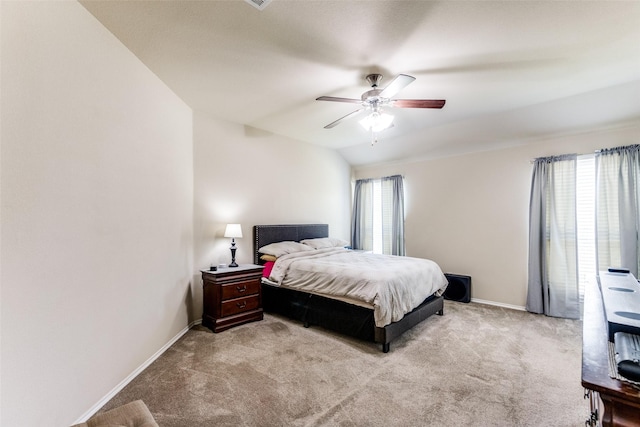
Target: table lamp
{"points": [[233, 231]]}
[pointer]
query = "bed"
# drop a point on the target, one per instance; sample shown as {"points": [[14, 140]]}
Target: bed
{"points": [[342, 314]]}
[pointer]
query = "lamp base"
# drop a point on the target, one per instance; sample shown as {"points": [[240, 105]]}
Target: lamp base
{"points": [[233, 254]]}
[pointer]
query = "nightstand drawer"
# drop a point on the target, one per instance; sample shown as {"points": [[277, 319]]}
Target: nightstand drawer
{"points": [[240, 305], [241, 289]]}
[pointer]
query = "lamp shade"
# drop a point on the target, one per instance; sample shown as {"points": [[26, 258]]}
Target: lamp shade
{"points": [[377, 121], [233, 230]]}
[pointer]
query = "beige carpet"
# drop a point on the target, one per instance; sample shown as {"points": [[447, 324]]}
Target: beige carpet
{"points": [[477, 365]]}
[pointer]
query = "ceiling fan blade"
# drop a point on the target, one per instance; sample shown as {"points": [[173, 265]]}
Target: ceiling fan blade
{"points": [[396, 85], [418, 103], [336, 99], [337, 122]]}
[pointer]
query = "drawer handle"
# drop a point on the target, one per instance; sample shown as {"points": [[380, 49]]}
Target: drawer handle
{"points": [[242, 288], [242, 304]]}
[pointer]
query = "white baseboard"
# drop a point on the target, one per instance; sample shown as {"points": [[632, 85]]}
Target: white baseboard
{"points": [[499, 304], [95, 408]]}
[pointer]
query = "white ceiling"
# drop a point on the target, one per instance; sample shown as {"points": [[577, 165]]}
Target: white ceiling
{"points": [[511, 71]]}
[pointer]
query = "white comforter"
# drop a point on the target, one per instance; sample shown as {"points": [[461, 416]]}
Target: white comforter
{"points": [[394, 285]]}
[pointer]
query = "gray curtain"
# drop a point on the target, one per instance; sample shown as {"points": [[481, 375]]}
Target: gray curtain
{"points": [[553, 287], [393, 215], [377, 220], [618, 212], [361, 215]]}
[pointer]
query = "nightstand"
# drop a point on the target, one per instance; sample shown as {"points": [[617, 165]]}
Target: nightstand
{"points": [[231, 296]]}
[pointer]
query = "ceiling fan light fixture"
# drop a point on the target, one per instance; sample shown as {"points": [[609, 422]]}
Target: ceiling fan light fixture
{"points": [[377, 121]]}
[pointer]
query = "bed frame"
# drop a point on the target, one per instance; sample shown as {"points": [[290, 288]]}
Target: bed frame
{"points": [[335, 315]]}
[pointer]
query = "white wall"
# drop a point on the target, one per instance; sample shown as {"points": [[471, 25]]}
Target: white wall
{"points": [[96, 208], [243, 175], [470, 213]]}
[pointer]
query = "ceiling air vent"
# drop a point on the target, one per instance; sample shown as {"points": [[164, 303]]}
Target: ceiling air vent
{"points": [[259, 4]]}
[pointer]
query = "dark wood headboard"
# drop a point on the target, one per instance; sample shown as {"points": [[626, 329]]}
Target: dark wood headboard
{"points": [[265, 234]]}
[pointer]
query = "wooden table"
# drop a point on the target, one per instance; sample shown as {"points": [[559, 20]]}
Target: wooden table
{"points": [[620, 399]]}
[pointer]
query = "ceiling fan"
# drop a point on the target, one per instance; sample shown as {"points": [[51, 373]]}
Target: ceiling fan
{"points": [[375, 100]]}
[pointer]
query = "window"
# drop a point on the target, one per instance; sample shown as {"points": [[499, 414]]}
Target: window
{"points": [[378, 215], [586, 220], [584, 216]]}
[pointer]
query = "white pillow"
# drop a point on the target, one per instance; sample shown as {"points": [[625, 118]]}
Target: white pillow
{"points": [[282, 248], [325, 242]]}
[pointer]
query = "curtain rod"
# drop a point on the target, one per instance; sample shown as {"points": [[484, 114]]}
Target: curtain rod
{"points": [[560, 155], [380, 177], [601, 150]]}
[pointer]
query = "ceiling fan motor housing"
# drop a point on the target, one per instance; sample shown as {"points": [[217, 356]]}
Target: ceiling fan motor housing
{"points": [[372, 96], [373, 79]]}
